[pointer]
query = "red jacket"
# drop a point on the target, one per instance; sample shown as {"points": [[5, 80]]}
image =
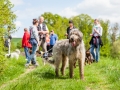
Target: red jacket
{"points": [[25, 40]]}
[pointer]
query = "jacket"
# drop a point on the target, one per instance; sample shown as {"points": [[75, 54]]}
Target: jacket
{"points": [[25, 40]]}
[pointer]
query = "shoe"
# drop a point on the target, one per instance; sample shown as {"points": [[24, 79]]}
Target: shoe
{"points": [[27, 65], [36, 65]]}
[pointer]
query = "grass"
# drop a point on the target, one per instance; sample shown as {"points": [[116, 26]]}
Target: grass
{"points": [[16, 40], [13, 68], [104, 75]]}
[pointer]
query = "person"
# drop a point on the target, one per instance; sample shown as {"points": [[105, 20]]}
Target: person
{"points": [[71, 26], [48, 41], [43, 30], [53, 39], [25, 42], [34, 39], [96, 40]]}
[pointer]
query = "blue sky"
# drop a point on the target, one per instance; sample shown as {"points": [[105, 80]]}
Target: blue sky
{"points": [[26, 10]]}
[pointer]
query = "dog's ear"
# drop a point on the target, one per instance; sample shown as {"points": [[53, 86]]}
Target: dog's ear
{"points": [[80, 35], [69, 40]]}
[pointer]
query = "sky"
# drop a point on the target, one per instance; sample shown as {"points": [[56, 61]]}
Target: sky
{"points": [[26, 10]]}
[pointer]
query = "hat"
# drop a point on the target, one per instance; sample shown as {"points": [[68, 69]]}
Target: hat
{"points": [[70, 21]]}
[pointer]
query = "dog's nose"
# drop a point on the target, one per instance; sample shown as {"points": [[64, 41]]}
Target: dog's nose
{"points": [[72, 39]]}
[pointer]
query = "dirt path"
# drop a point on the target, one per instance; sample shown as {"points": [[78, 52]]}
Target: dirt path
{"points": [[28, 70]]}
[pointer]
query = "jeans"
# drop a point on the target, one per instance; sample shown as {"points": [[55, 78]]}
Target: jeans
{"points": [[96, 53], [32, 57], [27, 54], [51, 48]]}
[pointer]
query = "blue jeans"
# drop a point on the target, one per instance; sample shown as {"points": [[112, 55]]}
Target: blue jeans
{"points": [[96, 53], [32, 57], [27, 54]]}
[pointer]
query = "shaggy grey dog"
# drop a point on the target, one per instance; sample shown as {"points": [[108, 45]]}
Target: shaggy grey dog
{"points": [[73, 49]]}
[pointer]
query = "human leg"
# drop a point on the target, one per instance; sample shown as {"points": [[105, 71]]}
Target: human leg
{"points": [[92, 51], [26, 52], [44, 48], [97, 53], [33, 55]]}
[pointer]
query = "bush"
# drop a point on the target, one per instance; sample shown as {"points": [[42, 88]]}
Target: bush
{"points": [[115, 51], [105, 50]]}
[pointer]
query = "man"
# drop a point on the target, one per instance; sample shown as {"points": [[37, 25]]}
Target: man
{"points": [[53, 39], [71, 26], [43, 30]]}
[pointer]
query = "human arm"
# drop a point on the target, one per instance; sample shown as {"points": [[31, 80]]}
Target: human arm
{"points": [[99, 31]]}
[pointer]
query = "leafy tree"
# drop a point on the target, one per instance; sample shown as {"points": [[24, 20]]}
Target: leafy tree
{"points": [[57, 23], [84, 23], [114, 32], [7, 25], [105, 50]]}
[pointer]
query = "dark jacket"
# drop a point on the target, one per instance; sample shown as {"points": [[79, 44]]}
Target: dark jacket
{"points": [[68, 31], [94, 39]]}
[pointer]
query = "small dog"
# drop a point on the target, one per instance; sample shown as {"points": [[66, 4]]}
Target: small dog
{"points": [[13, 54], [89, 58]]}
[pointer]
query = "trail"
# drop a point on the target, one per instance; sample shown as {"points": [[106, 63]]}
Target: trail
{"points": [[28, 70]]}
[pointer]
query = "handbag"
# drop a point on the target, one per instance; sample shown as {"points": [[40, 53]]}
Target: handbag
{"points": [[33, 41]]}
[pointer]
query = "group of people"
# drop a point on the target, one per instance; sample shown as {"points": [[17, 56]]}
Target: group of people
{"points": [[38, 36]]}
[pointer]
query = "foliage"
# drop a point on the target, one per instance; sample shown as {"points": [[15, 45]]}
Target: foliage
{"points": [[19, 45], [7, 25], [57, 23], [115, 51]]}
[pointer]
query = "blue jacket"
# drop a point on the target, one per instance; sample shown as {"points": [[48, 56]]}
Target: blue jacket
{"points": [[53, 39]]}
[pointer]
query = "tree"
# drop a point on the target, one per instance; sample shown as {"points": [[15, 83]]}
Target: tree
{"points": [[57, 23], [84, 23], [114, 32], [7, 25]]}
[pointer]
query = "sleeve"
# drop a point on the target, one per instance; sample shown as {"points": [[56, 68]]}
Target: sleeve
{"points": [[92, 30], [46, 28], [101, 29], [56, 37], [68, 30]]}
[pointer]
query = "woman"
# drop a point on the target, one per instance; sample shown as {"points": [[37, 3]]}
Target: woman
{"points": [[34, 39], [96, 40], [25, 42]]}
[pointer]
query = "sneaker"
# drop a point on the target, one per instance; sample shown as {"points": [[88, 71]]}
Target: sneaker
{"points": [[26, 65], [36, 65]]}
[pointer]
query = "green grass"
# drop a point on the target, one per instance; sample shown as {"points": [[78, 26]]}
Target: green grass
{"points": [[104, 75], [13, 68], [16, 40]]}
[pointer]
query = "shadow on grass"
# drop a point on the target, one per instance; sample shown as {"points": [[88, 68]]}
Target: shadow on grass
{"points": [[49, 75]]}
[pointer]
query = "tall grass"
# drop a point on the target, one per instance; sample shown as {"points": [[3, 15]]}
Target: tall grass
{"points": [[13, 68], [104, 75]]}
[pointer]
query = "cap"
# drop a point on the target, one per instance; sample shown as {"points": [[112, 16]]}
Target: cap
{"points": [[70, 21]]}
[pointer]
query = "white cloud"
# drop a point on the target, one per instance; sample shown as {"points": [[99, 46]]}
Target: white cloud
{"points": [[68, 12], [17, 2], [105, 9], [18, 24]]}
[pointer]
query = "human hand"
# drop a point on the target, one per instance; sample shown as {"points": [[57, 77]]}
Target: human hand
{"points": [[66, 34], [38, 44], [91, 34], [95, 30]]}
